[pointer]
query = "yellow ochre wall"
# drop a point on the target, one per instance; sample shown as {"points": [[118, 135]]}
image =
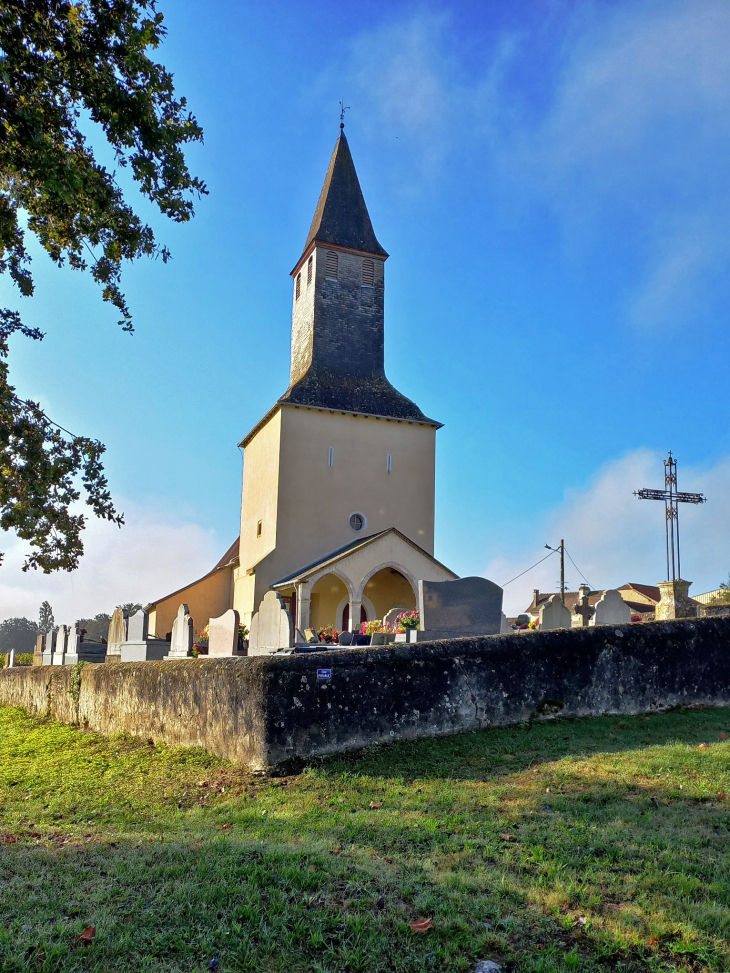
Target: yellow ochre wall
{"points": [[305, 504], [206, 599]]}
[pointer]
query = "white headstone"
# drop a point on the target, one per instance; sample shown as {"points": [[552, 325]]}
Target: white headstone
{"points": [[137, 626], [390, 617], [72, 645], [48, 643], [11, 659], [60, 649], [611, 609], [504, 626], [181, 642], [223, 634], [272, 627], [117, 633], [554, 614]]}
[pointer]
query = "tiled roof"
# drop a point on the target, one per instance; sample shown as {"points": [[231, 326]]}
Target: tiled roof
{"points": [[229, 558]]}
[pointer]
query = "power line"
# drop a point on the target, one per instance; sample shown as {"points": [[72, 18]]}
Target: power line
{"points": [[530, 568], [578, 569]]}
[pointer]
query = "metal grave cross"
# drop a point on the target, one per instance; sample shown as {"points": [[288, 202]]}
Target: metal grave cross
{"points": [[671, 497]]}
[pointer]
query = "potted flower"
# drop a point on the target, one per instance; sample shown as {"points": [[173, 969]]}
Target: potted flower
{"points": [[242, 639], [200, 646], [329, 634], [406, 624]]}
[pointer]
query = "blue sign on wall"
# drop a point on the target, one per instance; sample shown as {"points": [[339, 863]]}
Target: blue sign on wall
{"points": [[324, 673]]}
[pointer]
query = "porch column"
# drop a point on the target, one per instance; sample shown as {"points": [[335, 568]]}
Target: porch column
{"points": [[355, 612], [304, 605]]}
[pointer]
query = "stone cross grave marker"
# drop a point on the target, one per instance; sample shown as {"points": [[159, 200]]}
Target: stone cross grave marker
{"points": [[554, 614], [582, 607], [223, 634], [611, 609], [272, 627], [181, 641], [116, 635]]}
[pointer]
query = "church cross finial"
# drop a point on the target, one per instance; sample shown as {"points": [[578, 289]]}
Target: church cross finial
{"points": [[343, 109]]}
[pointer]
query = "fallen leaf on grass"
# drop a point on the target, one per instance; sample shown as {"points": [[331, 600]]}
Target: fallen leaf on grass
{"points": [[704, 746], [722, 795], [507, 837], [581, 920], [225, 827], [422, 925], [336, 851], [376, 805], [87, 936]]}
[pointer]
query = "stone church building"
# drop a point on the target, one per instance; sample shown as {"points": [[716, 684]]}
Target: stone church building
{"points": [[338, 498]]}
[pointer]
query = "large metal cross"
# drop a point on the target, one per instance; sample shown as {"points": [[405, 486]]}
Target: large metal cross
{"points": [[671, 497]]}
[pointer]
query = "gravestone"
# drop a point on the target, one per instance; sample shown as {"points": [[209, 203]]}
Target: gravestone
{"points": [[38, 651], [675, 601], [59, 651], [272, 627], [11, 659], [346, 638], [582, 608], [72, 645], [554, 614], [390, 617], [310, 636], [138, 646], [504, 626], [611, 609], [138, 626], [48, 645], [455, 609], [223, 634], [116, 635], [181, 641]]}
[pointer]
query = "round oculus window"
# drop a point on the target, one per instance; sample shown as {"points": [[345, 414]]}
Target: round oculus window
{"points": [[357, 521]]}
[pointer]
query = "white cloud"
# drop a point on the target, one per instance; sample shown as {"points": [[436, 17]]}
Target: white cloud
{"points": [[149, 557], [614, 537]]}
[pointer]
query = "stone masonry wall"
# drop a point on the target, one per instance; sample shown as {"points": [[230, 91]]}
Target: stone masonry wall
{"points": [[263, 711]]}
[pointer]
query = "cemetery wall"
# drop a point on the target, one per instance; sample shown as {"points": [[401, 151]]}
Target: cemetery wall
{"points": [[262, 711]]}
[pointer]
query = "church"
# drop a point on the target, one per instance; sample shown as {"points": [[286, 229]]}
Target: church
{"points": [[337, 511]]}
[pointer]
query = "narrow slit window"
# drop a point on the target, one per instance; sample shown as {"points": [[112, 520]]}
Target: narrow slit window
{"points": [[390, 462], [299, 285], [258, 529], [331, 265], [310, 263], [368, 273], [332, 456]]}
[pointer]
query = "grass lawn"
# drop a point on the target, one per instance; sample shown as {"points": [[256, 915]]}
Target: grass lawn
{"points": [[571, 845]]}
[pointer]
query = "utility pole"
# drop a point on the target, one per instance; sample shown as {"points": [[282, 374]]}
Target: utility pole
{"points": [[562, 570]]}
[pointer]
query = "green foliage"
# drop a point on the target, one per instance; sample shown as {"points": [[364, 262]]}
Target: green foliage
{"points": [[19, 634], [75, 690], [618, 861], [97, 628], [61, 62], [723, 596], [21, 659], [46, 621]]}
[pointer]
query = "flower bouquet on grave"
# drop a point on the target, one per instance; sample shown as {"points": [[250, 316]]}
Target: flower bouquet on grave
{"points": [[408, 620], [329, 634], [200, 646], [373, 626]]}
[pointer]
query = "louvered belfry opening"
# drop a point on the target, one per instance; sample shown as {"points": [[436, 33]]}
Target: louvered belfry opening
{"points": [[310, 264], [331, 265], [368, 273], [299, 285]]}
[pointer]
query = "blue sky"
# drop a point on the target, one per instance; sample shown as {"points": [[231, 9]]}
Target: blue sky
{"points": [[550, 179]]}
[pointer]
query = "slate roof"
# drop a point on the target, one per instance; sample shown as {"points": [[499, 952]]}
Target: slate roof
{"points": [[348, 549], [341, 216]]}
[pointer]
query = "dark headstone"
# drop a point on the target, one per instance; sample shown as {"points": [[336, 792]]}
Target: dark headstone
{"points": [[455, 609]]}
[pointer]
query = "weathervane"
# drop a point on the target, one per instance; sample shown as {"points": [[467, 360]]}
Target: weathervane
{"points": [[671, 497], [343, 109]]}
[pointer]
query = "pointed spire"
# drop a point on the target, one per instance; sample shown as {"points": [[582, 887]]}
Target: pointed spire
{"points": [[341, 216]]}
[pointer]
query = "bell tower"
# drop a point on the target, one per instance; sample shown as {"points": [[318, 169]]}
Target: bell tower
{"points": [[342, 456], [337, 346]]}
